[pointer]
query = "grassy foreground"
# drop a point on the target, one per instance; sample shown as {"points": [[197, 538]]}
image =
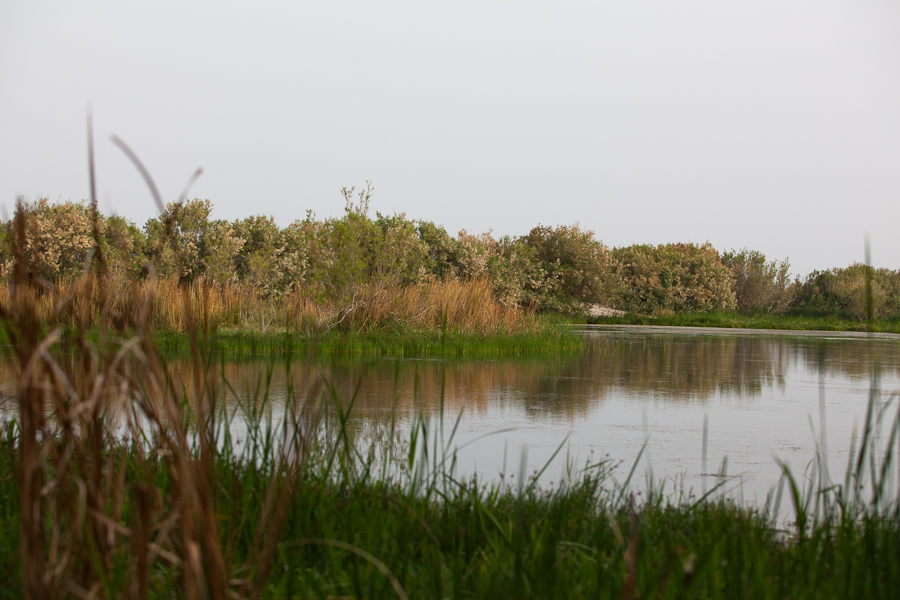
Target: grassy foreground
{"points": [[307, 508], [118, 481]]}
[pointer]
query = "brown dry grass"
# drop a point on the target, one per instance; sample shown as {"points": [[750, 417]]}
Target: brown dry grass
{"points": [[75, 468], [457, 305]]}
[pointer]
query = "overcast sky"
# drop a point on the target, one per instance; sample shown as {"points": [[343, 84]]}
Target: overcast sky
{"points": [[768, 125]]}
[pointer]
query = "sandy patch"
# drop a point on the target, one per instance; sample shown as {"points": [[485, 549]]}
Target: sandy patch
{"points": [[598, 310]]}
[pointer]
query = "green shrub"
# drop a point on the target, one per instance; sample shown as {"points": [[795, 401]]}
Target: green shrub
{"points": [[673, 278], [439, 249], [843, 292], [760, 286], [176, 240], [574, 268]]}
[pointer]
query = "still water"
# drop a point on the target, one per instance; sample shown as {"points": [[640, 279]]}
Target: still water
{"points": [[763, 396]]}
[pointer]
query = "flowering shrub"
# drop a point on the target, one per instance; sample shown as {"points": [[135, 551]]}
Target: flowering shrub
{"points": [[176, 240], [574, 268], [59, 238], [348, 262], [223, 243], [59, 241], [673, 277], [512, 267], [271, 260]]}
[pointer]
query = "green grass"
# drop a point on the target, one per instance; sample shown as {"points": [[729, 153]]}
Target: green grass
{"points": [[738, 320], [233, 343]]}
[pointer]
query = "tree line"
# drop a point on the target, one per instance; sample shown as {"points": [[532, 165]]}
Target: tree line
{"points": [[560, 269]]}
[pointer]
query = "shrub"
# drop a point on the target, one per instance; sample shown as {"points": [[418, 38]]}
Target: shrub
{"points": [[271, 260], [125, 247], [574, 267], [397, 254], [673, 277], [223, 243], [843, 292], [59, 238], [512, 267], [354, 251], [759, 285], [176, 239], [439, 248]]}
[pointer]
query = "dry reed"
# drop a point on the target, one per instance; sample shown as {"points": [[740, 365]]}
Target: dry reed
{"points": [[457, 305]]}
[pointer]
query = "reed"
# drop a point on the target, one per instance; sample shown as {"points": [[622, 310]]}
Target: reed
{"points": [[458, 306]]}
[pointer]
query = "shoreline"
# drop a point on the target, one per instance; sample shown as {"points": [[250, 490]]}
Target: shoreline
{"points": [[712, 330]]}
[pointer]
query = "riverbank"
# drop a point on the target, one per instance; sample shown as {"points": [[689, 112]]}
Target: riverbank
{"points": [[734, 320]]}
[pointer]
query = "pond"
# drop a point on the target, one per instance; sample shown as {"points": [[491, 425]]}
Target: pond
{"points": [[711, 405]]}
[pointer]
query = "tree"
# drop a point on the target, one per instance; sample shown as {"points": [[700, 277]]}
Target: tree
{"points": [[759, 285]]}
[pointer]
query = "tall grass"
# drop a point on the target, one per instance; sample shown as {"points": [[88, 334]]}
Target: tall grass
{"points": [[143, 487], [460, 306]]}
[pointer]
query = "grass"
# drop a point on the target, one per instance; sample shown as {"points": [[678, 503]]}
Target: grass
{"points": [[119, 480], [450, 318], [235, 344], [467, 307], [738, 320]]}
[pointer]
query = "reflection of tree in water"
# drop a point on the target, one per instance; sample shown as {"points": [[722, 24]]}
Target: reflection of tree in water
{"points": [[665, 367], [853, 358], [697, 367]]}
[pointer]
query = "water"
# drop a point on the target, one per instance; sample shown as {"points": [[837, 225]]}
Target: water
{"points": [[763, 396]]}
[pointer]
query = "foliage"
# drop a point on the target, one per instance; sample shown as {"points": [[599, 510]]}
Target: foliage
{"points": [[759, 286], [59, 238], [176, 240], [59, 241], [575, 268], [271, 260], [223, 243], [673, 278], [439, 248], [345, 262], [843, 291], [511, 266], [124, 247]]}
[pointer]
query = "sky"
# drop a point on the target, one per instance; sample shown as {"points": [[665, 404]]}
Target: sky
{"points": [[768, 125]]}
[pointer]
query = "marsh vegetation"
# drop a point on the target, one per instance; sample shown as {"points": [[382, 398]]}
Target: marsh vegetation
{"points": [[359, 274], [120, 475]]}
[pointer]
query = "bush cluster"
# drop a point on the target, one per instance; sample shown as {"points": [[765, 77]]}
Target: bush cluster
{"points": [[561, 269]]}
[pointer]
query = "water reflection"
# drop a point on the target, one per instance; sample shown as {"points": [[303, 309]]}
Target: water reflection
{"points": [[759, 392], [662, 367]]}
